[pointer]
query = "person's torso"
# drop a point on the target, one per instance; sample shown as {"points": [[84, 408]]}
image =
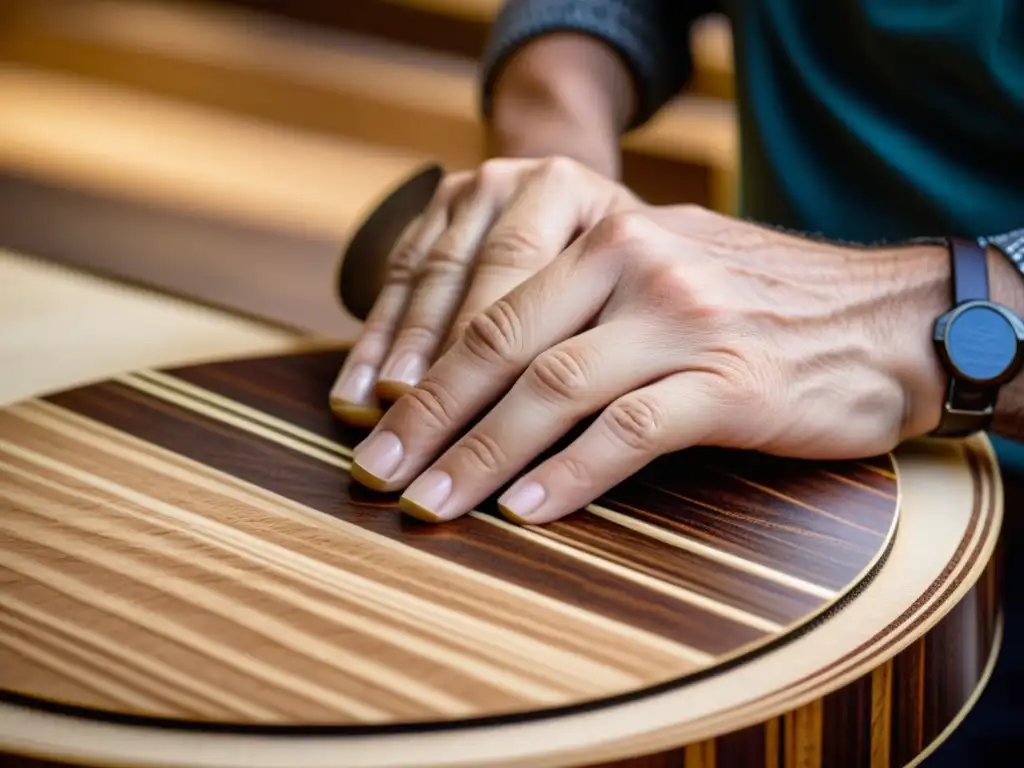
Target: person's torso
{"points": [[881, 119]]}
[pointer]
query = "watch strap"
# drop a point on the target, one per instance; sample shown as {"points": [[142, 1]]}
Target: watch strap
{"points": [[969, 406], [970, 270]]}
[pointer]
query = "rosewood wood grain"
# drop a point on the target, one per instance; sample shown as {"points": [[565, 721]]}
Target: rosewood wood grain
{"points": [[183, 547]]}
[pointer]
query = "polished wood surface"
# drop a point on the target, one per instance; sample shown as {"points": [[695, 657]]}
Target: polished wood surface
{"points": [[183, 545], [219, 494]]}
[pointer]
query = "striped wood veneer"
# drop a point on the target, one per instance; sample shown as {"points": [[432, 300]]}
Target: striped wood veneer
{"points": [[186, 545], [183, 545]]}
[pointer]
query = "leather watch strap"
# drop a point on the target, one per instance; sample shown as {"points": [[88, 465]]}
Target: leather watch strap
{"points": [[970, 270], [967, 407]]}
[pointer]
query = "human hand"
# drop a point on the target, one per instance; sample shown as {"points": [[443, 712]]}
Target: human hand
{"points": [[484, 233], [676, 327]]}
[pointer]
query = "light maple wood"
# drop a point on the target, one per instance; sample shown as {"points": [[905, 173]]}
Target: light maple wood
{"points": [[60, 328], [695, 562]]}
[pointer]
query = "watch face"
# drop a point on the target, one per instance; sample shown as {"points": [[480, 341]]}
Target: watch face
{"points": [[981, 343]]}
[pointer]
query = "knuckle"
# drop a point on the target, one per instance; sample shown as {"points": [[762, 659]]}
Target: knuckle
{"points": [[443, 258], [512, 246], [430, 404], [495, 334], [559, 167], [637, 421], [376, 328], [482, 450], [416, 334], [626, 230], [744, 388], [492, 171], [577, 471], [671, 287], [559, 375], [451, 185], [404, 262]]}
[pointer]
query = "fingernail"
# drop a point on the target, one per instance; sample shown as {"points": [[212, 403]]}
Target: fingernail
{"points": [[355, 385], [407, 369], [376, 458], [426, 495], [520, 501], [361, 416]]}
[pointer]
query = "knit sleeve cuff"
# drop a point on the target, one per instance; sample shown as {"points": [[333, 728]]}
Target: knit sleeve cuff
{"points": [[1010, 243], [653, 44]]}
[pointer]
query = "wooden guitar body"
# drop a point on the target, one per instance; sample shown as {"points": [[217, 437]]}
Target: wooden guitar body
{"points": [[187, 578]]}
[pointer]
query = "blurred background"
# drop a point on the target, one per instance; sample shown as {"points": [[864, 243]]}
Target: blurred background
{"points": [[226, 150]]}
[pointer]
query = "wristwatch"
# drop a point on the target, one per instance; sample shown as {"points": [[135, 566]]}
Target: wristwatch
{"points": [[978, 341]]}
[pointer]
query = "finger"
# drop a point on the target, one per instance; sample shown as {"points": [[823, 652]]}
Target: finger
{"points": [[440, 285], [672, 414], [352, 398], [540, 222], [560, 388], [495, 349]]}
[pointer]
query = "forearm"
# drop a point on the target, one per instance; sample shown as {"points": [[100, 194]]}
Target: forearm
{"points": [[569, 77], [562, 94]]}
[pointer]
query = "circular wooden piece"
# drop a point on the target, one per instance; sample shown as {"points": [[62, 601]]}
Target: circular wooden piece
{"points": [[200, 522], [183, 548]]}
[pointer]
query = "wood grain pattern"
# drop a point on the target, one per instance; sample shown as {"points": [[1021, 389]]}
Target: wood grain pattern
{"points": [[248, 584], [185, 545]]}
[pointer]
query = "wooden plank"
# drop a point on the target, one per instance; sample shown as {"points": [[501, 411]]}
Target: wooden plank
{"points": [[60, 328], [371, 91], [204, 204], [461, 27], [271, 275], [77, 131]]}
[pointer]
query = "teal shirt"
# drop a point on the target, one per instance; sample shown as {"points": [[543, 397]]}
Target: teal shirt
{"points": [[860, 119], [881, 119]]}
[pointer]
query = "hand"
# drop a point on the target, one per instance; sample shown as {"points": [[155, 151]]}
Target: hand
{"points": [[483, 234], [676, 327]]}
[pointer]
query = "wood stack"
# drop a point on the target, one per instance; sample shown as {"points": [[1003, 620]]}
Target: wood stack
{"points": [[225, 150]]}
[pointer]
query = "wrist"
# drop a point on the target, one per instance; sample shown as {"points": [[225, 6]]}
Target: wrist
{"points": [[557, 138], [925, 379], [562, 94], [925, 273]]}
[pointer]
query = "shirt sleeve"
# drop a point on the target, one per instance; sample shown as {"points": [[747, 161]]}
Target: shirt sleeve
{"points": [[1010, 243], [651, 37]]}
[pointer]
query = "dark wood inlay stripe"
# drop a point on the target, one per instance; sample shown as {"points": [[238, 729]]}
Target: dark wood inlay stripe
{"points": [[212, 507], [499, 551], [779, 513]]}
